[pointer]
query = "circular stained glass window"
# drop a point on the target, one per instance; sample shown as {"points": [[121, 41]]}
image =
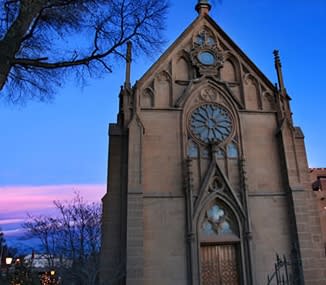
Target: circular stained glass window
{"points": [[210, 123], [206, 57]]}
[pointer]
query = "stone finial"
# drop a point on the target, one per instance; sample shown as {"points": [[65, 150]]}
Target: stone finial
{"points": [[277, 57], [203, 7], [128, 64], [278, 67], [284, 104]]}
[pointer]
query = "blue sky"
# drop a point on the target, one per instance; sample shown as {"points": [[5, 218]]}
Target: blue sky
{"points": [[65, 142]]}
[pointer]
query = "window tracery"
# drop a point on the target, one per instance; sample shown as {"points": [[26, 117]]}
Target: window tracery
{"points": [[192, 150], [205, 38], [206, 54], [204, 152], [219, 153], [210, 123], [219, 220], [232, 150], [229, 151]]}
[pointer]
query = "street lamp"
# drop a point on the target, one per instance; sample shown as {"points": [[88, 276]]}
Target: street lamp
{"points": [[8, 263], [8, 260], [52, 277]]}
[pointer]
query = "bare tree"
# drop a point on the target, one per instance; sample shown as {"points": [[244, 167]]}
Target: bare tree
{"points": [[71, 240], [45, 230], [44, 41]]}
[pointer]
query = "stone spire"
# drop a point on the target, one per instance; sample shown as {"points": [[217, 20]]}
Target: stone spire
{"points": [[125, 92], [284, 98], [203, 7], [278, 67], [128, 65]]}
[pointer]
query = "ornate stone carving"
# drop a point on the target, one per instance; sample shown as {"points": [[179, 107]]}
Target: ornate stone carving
{"points": [[217, 184], [209, 95], [210, 123], [206, 54], [163, 76], [268, 100], [248, 78], [147, 99], [188, 177]]}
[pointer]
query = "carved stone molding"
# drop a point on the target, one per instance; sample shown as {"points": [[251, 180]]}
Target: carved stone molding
{"points": [[217, 184], [209, 94], [206, 54], [163, 76]]}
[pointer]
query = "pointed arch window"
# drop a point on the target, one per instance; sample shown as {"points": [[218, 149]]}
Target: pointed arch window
{"points": [[219, 246], [204, 152], [232, 150], [220, 154], [219, 221], [195, 151], [192, 149]]}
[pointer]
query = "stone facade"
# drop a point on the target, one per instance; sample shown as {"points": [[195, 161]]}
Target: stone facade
{"points": [[208, 176], [318, 183]]}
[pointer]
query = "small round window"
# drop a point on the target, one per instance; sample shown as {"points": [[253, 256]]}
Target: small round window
{"points": [[206, 57]]}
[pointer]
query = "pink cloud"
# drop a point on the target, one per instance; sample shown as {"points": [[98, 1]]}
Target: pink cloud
{"points": [[10, 221], [14, 233], [17, 201], [22, 199]]}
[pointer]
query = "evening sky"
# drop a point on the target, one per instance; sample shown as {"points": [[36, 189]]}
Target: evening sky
{"points": [[50, 150]]}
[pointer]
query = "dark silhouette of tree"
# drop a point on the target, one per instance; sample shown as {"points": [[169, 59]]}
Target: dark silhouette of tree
{"points": [[42, 43], [70, 240], [5, 250], [3, 247]]}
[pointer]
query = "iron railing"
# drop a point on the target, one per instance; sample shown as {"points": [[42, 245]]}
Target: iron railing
{"points": [[284, 273]]}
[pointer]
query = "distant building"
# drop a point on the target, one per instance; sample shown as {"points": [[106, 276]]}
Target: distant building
{"points": [[208, 176], [44, 262], [318, 180]]}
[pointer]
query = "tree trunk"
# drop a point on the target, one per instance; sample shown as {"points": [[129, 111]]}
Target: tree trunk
{"points": [[11, 43]]}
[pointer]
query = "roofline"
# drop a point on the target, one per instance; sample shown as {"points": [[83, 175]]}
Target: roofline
{"points": [[241, 52], [223, 34], [167, 51]]}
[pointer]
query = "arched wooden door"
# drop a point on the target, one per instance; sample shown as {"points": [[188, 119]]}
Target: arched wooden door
{"points": [[219, 264]]}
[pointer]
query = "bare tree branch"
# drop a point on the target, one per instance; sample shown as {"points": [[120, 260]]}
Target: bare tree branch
{"points": [[74, 35], [71, 240]]}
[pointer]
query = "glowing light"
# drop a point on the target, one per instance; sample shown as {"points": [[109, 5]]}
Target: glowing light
{"points": [[8, 260]]}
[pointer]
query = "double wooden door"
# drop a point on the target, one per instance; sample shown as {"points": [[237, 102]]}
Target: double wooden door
{"points": [[219, 265]]}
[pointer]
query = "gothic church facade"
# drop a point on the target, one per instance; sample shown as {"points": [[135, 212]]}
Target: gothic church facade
{"points": [[208, 177]]}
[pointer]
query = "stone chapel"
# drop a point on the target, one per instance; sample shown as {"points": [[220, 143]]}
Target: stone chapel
{"points": [[207, 174]]}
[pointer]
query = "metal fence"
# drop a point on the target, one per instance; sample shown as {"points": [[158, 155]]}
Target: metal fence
{"points": [[284, 273]]}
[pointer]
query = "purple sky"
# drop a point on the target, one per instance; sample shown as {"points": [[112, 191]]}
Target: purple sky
{"points": [[48, 151], [18, 201]]}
